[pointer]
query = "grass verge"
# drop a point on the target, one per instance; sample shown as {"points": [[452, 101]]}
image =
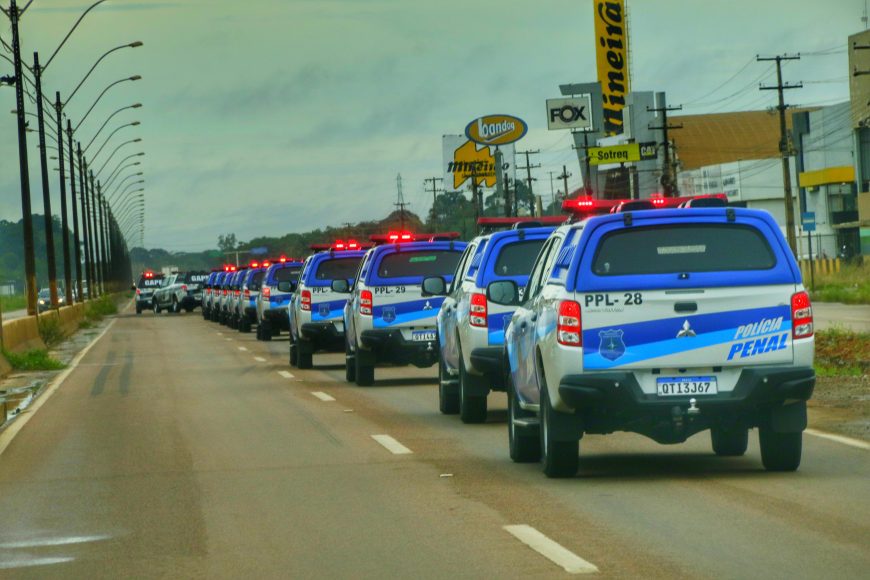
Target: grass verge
{"points": [[97, 309], [841, 352], [851, 285], [16, 302], [33, 360], [50, 331]]}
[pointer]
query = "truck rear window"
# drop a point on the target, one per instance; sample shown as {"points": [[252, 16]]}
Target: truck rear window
{"points": [[517, 259], [337, 269], [682, 248], [407, 264]]}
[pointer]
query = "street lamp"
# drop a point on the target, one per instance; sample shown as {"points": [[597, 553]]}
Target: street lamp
{"points": [[82, 120], [99, 60], [118, 171], [133, 106], [128, 186], [131, 124], [137, 140]]}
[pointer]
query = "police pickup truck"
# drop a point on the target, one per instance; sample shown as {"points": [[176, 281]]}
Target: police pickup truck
{"points": [[273, 301], [387, 318], [148, 282], [317, 311], [181, 291], [470, 327], [665, 323]]}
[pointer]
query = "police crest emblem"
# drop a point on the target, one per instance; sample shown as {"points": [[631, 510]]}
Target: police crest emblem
{"points": [[611, 346], [389, 314], [323, 309]]}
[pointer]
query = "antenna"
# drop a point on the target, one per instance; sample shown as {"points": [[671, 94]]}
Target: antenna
{"points": [[400, 201]]}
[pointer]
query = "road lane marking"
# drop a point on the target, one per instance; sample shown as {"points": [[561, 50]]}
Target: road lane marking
{"points": [[323, 396], [553, 551], [242, 348], [8, 434], [259, 359], [392, 445], [228, 339], [839, 439], [286, 374]]}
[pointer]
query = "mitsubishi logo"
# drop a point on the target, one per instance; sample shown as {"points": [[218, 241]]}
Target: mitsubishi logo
{"points": [[427, 306], [686, 331]]}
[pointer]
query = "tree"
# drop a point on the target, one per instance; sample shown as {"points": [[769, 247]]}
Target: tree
{"points": [[227, 243]]}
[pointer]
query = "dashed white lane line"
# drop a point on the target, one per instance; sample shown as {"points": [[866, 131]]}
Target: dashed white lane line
{"points": [[392, 445], [286, 374], [323, 396], [228, 339], [242, 348], [556, 553], [839, 439], [259, 359]]}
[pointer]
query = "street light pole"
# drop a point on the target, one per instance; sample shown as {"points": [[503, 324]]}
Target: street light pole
{"points": [[103, 249], [46, 192], [29, 259], [87, 232], [98, 269], [75, 217]]}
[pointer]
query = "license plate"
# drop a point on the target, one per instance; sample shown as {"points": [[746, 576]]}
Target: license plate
{"points": [[686, 386], [423, 335]]}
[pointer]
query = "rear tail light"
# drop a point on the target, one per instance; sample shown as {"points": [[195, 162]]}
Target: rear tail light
{"points": [[184, 287], [801, 315], [478, 310], [238, 293], [138, 292], [305, 300], [247, 294], [226, 291], [365, 302], [267, 292], [569, 329]]}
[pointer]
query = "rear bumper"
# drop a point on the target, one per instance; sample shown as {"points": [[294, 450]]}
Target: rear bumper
{"points": [[388, 345], [613, 401], [277, 316], [323, 336]]}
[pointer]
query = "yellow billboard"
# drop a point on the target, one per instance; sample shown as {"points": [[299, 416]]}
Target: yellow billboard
{"points": [[611, 45]]}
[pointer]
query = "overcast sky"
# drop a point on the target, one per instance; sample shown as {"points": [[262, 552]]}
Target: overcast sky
{"points": [[263, 117]]}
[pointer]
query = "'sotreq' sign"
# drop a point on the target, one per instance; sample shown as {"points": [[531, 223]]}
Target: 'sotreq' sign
{"points": [[496, 130]]}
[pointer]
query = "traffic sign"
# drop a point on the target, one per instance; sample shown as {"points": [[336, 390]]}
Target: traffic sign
{"points": [[808, 221]]}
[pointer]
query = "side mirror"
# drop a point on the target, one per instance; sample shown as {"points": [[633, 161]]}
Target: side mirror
{"points": [[503, 292], [340, 286], [285, 286], [434, 286]]}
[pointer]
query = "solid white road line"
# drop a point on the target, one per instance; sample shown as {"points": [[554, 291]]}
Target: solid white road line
{"points": [[286, 374], [10, 432], [392, 445], [242, 348], [323, 396], [259, 359], [839, 439], [556, 553]]}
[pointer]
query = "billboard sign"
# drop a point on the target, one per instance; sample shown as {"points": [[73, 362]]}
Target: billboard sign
{"points": [[611, 45], [496, 130], [627, 153], [572, 113], [464, 160]]}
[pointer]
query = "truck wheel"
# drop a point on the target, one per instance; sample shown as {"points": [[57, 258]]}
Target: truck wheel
{"points": [[304, 355], [365, 374], [349, 364], [780, 451], [448, 391], [524, 442], [138, 309], [245, 326], [729, 442], [472, 408], [560, 458], [266, 330]]}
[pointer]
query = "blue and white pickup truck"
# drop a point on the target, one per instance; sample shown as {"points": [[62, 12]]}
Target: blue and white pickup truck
{"points": [[471, 327], [387, 318], [317, 311], [273, 302], [664, 323]]}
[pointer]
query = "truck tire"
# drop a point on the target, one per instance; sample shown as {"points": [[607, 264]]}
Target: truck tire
{"points": [[265, 330], [729, 442], [524, 442], [304, 355], [365, 373], [138, 309], [448, 391], [780, 451], [349, 364], [245, 325], [560, 458], [472, 408]]}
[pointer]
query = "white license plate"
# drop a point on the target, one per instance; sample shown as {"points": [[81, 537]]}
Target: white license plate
{"points": [[423, 335], [686, 386]]}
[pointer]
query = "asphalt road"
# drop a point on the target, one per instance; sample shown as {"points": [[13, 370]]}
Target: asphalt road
{"points": [[13, 314], [171, 451], [854, 317]]}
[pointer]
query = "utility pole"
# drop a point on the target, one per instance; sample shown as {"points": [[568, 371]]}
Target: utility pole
{"points": [[529, 179], [27, 219], [784, 143], [476, 197], [669, 178], [77, 254], [564, 177], [400, 202], [552, 192], [587, 177], [435, 191], [508, 205], [51, 263], [64, 216]]}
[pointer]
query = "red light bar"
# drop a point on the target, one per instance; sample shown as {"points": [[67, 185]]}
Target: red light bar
{"points": [[255, 264], [149, 274], [339, 245], [586, 206], [283, 259], [405, 237]]}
